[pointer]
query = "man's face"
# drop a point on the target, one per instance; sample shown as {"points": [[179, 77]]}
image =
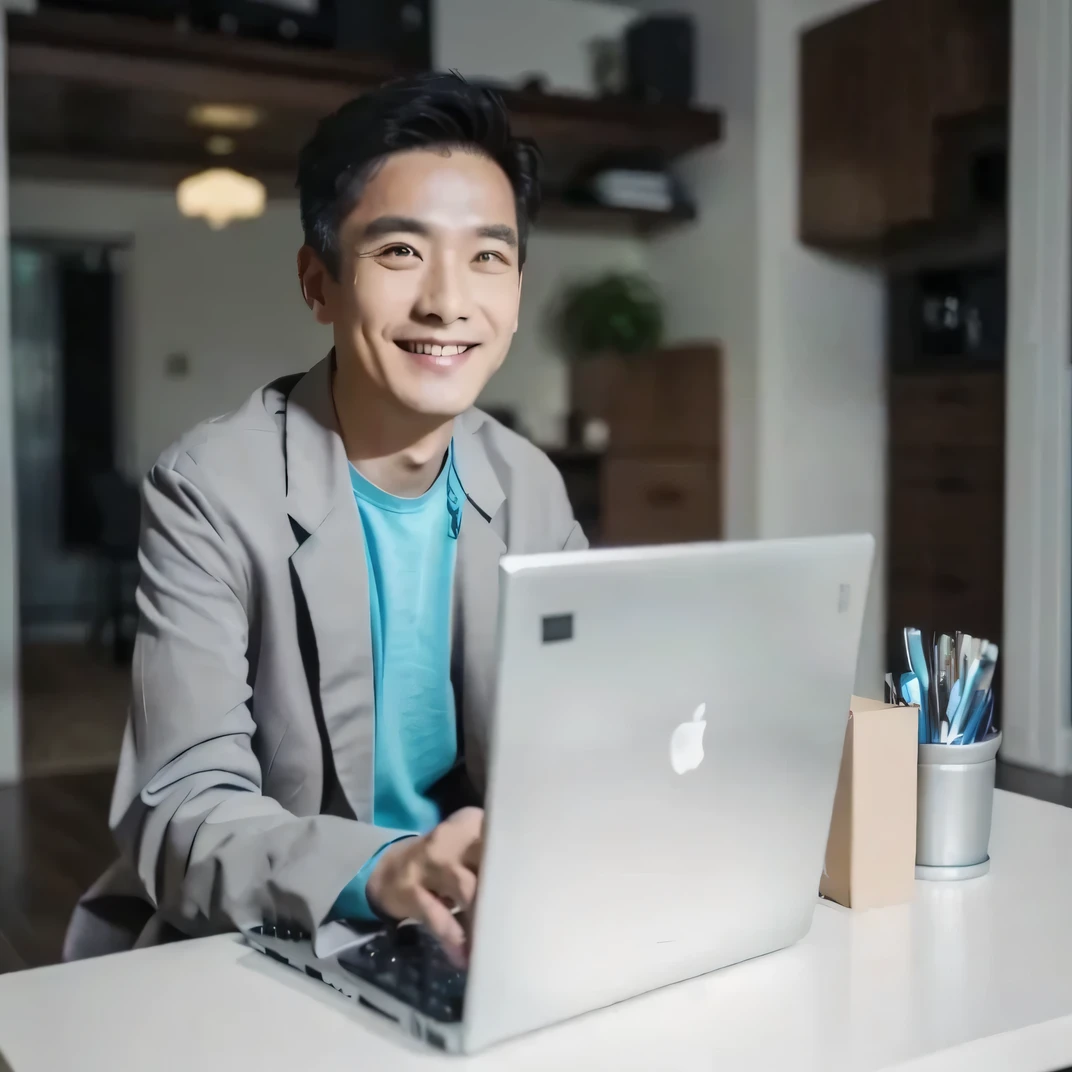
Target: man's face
{"points": [[429, 280]]}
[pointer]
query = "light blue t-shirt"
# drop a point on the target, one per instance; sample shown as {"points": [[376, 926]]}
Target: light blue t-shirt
{"points": [[410, 549]]}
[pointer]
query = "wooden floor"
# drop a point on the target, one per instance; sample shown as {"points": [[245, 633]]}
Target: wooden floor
{"points": [[74, 707], [54, 842]]}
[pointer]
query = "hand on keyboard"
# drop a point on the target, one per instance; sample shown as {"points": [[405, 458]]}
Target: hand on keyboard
{"points": [[409, 964], [424, 877]]}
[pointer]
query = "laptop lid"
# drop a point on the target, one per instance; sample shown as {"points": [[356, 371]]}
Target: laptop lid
{"points": [[668, 732]]}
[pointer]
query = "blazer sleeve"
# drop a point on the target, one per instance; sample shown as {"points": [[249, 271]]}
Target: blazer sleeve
{"points": [[212, 852]]}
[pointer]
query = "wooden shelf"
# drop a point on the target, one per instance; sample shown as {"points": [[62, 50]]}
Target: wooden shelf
{"points": [[560, 213], [106, 92]]}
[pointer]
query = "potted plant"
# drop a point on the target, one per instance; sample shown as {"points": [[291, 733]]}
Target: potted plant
{"points": [[602, 323]]}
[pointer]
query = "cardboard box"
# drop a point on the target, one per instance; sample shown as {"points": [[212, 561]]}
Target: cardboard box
{"points": [[871, 851]]}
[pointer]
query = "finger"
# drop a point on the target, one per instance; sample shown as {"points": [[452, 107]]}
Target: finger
{"points": [[450, 842], [447, 930], [466, 825], [456, 883], [474, 854]]}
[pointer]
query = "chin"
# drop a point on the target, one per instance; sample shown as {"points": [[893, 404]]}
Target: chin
{"points": [[438, 395], [440, 403]]}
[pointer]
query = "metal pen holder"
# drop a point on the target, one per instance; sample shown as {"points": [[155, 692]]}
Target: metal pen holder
{"points": [[955, 804]]}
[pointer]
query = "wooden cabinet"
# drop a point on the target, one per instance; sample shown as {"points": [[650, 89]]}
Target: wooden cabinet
{"points": [[661, 478], [878, 85], [661, 500], [946, 504]]}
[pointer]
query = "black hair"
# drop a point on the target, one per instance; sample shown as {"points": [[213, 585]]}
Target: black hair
{"points": [[426, 111]]}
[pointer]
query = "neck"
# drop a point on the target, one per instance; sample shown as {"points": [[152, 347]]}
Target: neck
{"points": [[399, 451]]}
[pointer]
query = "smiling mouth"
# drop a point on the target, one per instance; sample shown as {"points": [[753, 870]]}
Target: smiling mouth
{"points": [[444, 351]]}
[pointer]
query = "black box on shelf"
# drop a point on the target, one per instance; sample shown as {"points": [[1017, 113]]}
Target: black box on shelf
{"points": [[299, 22], [153, 9], [396, 30], [660, 59]]}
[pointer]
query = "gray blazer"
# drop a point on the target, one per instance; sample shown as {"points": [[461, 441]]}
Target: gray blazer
{"points": [[244, 788]]}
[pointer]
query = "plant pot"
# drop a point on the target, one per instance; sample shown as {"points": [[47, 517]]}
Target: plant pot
{"points": [[593, 383]]}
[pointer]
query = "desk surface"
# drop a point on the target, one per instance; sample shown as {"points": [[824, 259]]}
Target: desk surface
{"points": [[974, 975]]}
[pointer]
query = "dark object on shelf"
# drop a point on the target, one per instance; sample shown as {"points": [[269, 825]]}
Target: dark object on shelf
{"points": [[950, 318], [659, 59], [645, 188], [396, 30], [292, 21], [154, 75], [608, 65], [536, 83], [152, 9]]}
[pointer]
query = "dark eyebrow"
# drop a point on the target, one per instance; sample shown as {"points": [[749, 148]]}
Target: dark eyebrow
{"points": [[385, 225], [499, 231]]}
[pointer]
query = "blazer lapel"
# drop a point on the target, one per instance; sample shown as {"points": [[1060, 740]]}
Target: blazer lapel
{"points": [[331, 569], [476, 591]]}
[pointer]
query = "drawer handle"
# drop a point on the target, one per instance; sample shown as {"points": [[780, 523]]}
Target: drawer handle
{"points": [[664, 495]]}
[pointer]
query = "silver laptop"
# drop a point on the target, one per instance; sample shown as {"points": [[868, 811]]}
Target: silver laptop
{"points": [[663, 762]]}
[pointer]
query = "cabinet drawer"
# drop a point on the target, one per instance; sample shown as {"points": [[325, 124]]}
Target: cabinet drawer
{"points": [[946, 496], [647, 501], [957, 409], [669, 403], [953, 471]]}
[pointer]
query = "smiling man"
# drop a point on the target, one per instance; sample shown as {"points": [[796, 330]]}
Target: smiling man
{"points": [[315, 661]]}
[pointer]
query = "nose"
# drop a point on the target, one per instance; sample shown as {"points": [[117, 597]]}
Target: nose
{"points": [[444, 296]]}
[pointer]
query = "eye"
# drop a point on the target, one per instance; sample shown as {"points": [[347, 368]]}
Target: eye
{"points": [[399, 251], [489, 256]]}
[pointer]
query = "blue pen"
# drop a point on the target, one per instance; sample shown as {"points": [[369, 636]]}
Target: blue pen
{"points": [[910, 695], [975, 717], [918, 664], [988, 718], [978, 707]]}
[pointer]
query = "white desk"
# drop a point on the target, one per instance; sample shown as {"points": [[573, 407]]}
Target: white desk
{"points": [[975, 975]]}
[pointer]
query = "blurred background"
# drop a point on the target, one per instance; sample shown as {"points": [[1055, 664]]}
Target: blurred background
{"points": [[803, 268]]}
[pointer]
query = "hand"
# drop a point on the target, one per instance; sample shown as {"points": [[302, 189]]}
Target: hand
{"points": [[422, 877]]}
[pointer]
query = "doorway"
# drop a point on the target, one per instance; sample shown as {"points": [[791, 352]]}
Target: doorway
{"points": [[64, 315]]}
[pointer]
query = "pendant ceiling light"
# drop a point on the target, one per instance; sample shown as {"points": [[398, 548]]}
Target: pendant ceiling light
{"points": [[221, 195]]}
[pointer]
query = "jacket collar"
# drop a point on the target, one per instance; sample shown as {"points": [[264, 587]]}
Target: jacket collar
{"points": [[316, 466]]}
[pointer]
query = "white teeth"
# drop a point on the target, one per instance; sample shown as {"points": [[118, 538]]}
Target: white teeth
{"points": [[434, 350]]}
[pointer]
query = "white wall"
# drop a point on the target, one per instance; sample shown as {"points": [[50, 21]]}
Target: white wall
{"points": [[229, 300], [822, 402], [709, 271], [1037, 646], [509, 40], [10, 755], [803, 333]]}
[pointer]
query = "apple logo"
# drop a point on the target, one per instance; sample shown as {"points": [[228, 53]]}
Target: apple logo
{"points": [[686, 743]]}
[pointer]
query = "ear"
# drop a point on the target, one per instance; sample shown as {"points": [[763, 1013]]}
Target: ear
{"points": [[315, 281]]}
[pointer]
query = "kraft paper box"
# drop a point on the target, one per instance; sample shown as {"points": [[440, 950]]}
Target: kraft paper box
{"points": [[871, 852]]}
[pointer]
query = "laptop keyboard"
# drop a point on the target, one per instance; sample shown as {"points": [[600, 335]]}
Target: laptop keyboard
{"points": [[407, 963]]}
